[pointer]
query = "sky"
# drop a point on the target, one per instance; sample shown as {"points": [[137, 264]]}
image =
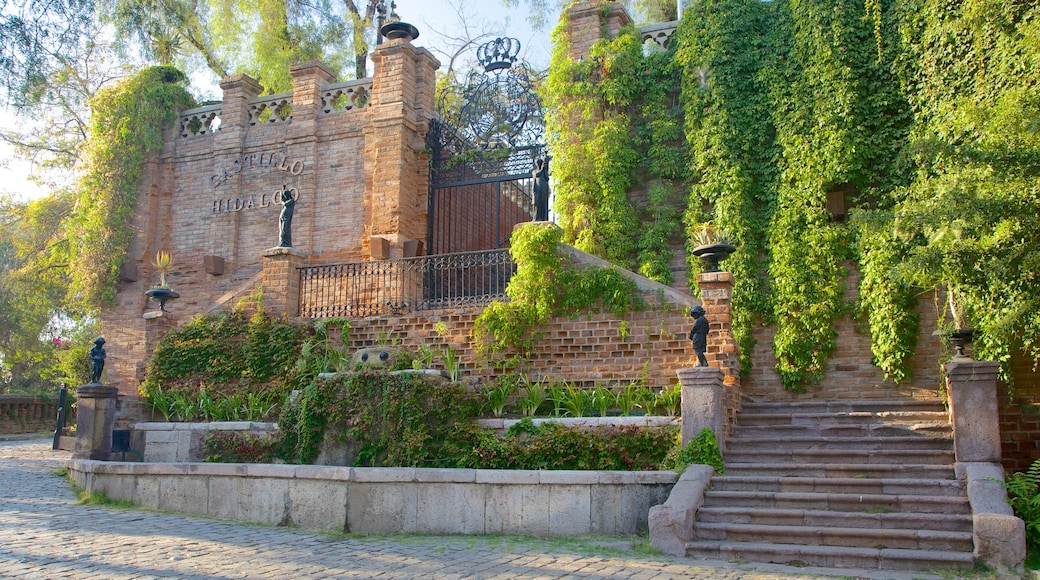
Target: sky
{"points": [[437, 20]]}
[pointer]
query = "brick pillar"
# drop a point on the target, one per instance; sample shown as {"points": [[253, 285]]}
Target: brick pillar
{"points": [[972, 387], [396, 168], [587, 22], [156, 324], [234, 112], [717, 298], [281, 280], [309, 78], [301, 141]]}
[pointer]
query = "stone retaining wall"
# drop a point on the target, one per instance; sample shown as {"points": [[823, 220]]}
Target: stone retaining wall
{"points": [[180, 442], [27, 413], [390, 500]]}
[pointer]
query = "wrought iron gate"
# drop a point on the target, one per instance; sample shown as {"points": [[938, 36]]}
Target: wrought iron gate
{"points": [[484, 154]]}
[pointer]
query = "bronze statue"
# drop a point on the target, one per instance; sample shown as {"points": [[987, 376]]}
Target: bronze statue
{"points": [[97, 357], [541, 189], [699, 334], [288, 202]]}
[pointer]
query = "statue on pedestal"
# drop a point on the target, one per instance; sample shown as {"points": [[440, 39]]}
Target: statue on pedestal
{"points": [[541, 189], [288, 202], [699, 334], [97, 358]]}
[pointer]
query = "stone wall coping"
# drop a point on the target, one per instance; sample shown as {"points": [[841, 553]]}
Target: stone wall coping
{"points": [[591, 422], [378, 474], [211, 426]]}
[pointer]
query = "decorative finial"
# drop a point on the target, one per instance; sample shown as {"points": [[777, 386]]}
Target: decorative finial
{"points": [[498, 54]]}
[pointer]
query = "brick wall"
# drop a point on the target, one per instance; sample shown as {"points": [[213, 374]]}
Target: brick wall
{"points": [[1020, 415], [211, 196], [586, 350], [849, 372]]}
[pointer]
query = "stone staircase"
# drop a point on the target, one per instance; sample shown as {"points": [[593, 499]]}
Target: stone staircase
{"points": [[864, 484]]}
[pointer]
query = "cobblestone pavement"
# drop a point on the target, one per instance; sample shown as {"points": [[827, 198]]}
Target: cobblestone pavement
{"points": [[44, 534]]}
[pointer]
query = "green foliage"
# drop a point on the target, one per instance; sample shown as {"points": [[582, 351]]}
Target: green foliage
{"points": [[544, 286], [886, 301], [614, 121], [1024, 497], [533, 397], [553, 446], [500, 392], [33, 313], [229, 366], [398, 420], [237, 447], [669, 399], [126, 124], [701, 450]]}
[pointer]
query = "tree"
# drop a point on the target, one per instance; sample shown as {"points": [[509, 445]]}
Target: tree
{"points": [[541, 11], [33, 283], [35, 37]]}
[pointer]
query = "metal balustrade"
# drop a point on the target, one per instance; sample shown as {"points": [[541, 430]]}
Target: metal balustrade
{"points": [[381, 287]]}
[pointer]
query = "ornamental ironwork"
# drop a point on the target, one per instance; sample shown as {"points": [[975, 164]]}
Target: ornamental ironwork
{"points": [[497, 108]]}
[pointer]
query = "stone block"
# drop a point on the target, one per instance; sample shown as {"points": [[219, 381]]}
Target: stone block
{"points": [[318, 504], [146, 492], [534, 520], [1000, 541], [605, 508], [570, 510], [263, 500], [507, 476], [450, 508], [222, 501], [445, 475], [184, 494], [504, 508], [378, 508]]}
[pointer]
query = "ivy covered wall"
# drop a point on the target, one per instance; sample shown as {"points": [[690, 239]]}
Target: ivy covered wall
{"points": [[896, 137]]}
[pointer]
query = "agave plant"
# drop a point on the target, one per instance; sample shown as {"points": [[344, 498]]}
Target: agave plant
{"points": [[163, 262]]}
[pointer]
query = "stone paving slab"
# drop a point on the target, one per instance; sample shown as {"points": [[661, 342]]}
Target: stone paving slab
{"points": [[45, 535]]}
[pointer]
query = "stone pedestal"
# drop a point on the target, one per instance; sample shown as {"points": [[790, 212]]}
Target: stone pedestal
{"points": [[703, 403], [972, 388], [95, 416]]}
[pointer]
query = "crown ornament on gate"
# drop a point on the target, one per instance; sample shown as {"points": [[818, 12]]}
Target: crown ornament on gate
{"points": [[498, 54]]}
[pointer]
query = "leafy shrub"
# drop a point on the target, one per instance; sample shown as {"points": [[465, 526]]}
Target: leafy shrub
{"points": [[237, 447], [225, 366], [553, 446], [1024, 497], [701, 450], [398, 420]]}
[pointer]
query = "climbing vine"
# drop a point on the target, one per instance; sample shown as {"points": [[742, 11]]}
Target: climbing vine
{"points": [[545, 285], [615, 122], [127, 121]]}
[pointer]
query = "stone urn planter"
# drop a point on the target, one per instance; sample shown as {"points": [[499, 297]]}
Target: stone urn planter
{"points": [[960, 338], [399, 29], [162, 296], [712, 254]]}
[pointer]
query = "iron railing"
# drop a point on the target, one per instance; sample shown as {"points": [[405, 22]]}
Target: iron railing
{"points": [[381, 287]]}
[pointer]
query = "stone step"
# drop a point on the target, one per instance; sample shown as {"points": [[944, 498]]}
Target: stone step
{"points": [[849, 418], [866, 456], [842, 502], [831, 556], [854, 470], [839, 485], [845, 406], [866, 441], [907, 539], [811, 517], [778, 432]]}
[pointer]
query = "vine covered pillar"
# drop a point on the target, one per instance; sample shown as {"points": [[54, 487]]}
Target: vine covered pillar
{"points": [[592, 20]]}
